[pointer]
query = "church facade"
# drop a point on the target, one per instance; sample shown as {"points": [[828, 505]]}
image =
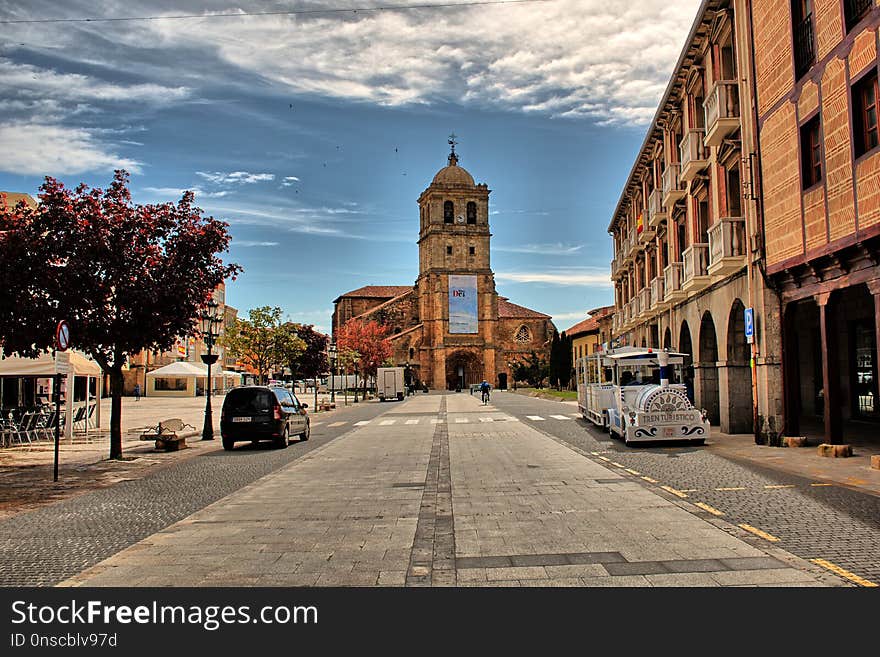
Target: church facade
{"points": [[451, 328]]}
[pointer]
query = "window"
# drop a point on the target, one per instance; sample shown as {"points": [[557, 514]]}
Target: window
{"points": [[471, 212], [448, 212], [811, 153], [164, 383], [855, 10], [523, 335], [734, 192], [448, 250], [472, 250], [802, 25], [864, 98], [703, 219]]}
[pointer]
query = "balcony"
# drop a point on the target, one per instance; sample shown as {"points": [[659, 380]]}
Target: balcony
{"points": [[656, 211], [647, 233], [696, 268], [727, 246], [645, 303], [722, 111], [635, 309], [632, 243], [804, 51], [693, 155], [615, 267], [672, 190], [658, 301], [672, 276]]}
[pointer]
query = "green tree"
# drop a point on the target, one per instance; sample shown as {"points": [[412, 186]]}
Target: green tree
{"points": [[290, 347], [256, 340], [565, 364], [555, 360], [537, 369]]}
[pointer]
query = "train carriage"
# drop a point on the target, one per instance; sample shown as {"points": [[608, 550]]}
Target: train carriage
{"points": [[638, 396]]}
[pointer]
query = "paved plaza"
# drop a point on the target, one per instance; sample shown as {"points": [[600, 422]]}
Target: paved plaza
{"points": [[440, 490]]}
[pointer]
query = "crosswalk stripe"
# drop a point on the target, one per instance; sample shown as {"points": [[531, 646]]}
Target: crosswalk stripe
{"points": [[361, 423], [412, 422], [436, 420], [576, 415], [461, 420], [487, 419], [536, 418], [336, 424], [560, 417], [385, 423]]}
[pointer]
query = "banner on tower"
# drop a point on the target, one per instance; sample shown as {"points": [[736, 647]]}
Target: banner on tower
{"points": [[463, 304]]}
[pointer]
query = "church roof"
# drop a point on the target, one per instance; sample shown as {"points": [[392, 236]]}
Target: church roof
{"points": [[453, 174], [511, 310], [13, 198], [377, 292], [586, 326]]}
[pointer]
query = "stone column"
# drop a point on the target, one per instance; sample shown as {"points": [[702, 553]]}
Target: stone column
{"points": [[830, 375], [874, 288], [791, 391]]}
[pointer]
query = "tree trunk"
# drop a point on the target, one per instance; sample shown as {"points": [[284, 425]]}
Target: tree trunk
{"points": [[116, 384]]}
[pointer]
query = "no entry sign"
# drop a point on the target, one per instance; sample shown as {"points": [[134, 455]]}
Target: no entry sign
{"points": [[62, 336]]}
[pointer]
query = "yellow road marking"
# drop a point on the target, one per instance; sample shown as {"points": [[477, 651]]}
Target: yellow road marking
{"points": [[758, 532], [619, 465], [673, 491], [631, 471], [735, 488], [708, 508], [604, 458], [595, 453], [781, 486], [821, 484], [689, 490], [648, 479], [834, 568]]}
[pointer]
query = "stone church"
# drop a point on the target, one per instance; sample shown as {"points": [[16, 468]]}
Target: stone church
{"points": [[452, 328]]}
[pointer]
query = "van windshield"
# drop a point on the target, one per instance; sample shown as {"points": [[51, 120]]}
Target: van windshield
{"points": [[248, 401]]}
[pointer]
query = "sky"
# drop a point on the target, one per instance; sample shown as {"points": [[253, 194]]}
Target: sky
{"points": [[314, 133]]}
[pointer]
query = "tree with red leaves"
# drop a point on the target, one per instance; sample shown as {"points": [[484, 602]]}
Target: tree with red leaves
{"points": [[369, 340], [126, 277]]}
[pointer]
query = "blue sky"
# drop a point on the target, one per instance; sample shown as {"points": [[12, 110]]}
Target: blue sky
{"points": [[314, 134]]}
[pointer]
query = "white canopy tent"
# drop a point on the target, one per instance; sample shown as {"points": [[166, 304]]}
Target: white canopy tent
{"points": [[191, 373], [43, 366]]}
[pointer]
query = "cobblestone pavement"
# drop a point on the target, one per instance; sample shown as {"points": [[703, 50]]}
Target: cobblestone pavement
{"points": [[44, 546], [811, 518], [442, 490]]}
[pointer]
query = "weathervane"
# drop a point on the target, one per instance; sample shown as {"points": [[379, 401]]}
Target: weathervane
{"points": [[453, 158]]}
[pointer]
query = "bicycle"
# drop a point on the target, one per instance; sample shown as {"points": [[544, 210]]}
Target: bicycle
{"points": [[485, 397]]}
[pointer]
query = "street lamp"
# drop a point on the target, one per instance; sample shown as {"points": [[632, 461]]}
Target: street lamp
{"points": [[210, 320], [331, 352]]}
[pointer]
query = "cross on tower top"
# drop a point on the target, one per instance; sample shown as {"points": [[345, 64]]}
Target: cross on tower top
{"points": [[453, 158]]}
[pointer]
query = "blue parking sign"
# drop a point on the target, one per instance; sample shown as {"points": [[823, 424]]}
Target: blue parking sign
{"points": [[750, 325]]}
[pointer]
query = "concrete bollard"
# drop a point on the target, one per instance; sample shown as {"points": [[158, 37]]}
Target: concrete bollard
{"points": [[795, 441]]}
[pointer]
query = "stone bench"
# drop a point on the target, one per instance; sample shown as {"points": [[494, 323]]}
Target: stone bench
{"points": [[170, 442]]}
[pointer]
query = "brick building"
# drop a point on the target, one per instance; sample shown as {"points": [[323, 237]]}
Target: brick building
{"points": [[451, 327], [683, 230], [816, 64]]}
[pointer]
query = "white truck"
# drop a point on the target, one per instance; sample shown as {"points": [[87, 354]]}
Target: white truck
{"points": [[390, 383]]}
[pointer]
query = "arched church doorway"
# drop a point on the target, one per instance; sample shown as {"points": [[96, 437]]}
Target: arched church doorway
{"points": [[685, 346], [502, 381], [463, 368], [739, 409]]}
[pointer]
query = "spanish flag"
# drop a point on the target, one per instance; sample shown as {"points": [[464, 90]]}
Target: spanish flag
{"points": [[640, 224]]}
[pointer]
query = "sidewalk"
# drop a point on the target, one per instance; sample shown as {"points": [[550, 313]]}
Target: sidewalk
{"points": [[26, 472]]}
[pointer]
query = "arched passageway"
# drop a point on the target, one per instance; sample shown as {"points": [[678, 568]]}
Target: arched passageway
{"points": [[736, 377], [707, 370]]}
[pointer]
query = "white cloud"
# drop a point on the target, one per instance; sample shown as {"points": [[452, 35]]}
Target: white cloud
{"points": [[178, 192], [571, 58], [289, 180], [251, 243], [235, 177], [576, 276], [45, 149], [571, 316], [557, 249]]}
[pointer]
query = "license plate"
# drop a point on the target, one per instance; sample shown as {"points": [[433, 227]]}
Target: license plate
{"points": [[668, 432], [241, 419]]}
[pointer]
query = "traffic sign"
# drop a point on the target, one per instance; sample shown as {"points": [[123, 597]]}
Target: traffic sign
{"points": [[750, 325], [62, 362], [62, 336]]}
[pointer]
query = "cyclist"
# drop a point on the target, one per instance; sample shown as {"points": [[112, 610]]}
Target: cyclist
{"points": [[484, 391]]}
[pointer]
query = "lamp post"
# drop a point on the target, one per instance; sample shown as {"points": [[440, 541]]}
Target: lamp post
{"points": [[331, 352], [209, 320]]}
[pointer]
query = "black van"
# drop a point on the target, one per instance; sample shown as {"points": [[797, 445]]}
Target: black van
{"points": [[255, 413]]}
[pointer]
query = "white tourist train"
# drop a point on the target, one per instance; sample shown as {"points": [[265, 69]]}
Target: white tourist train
{"points": [[638, 395]]}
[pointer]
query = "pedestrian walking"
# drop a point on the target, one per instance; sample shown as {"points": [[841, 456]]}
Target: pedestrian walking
{"points": [[137, 391]]}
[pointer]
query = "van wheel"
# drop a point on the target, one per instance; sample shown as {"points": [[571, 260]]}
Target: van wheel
{"points": [[305, 434], [228, 444], [281, 441]]}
